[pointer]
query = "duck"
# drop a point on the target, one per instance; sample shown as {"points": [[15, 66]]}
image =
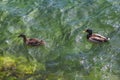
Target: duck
{"points": [[31, 41], [95, 38]]}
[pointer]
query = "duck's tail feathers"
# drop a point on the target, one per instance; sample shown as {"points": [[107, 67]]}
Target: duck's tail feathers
{"points": [[108, 39]]}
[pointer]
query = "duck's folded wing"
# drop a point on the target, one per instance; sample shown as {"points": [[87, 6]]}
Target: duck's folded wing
{"points": [[33, 39], [97, 39], [33, 42], [99, 36]]}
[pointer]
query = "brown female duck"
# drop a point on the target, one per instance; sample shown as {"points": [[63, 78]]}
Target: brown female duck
{"points": [[32, 41], [96, 38]]}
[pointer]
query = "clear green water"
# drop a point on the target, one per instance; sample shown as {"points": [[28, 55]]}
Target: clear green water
{"points": [[67, 54]]}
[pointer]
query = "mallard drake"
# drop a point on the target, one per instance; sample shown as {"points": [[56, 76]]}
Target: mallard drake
{"points": [[96, 38], [32, 41]]}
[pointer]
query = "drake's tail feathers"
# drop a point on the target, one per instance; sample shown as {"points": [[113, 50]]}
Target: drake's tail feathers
{"points": [[106, 40]]}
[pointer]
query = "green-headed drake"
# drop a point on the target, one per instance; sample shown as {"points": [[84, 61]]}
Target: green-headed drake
{"points": [[96, 38]]}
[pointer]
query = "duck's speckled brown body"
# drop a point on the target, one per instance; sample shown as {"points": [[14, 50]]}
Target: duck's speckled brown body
{"points": [[32, 41]]}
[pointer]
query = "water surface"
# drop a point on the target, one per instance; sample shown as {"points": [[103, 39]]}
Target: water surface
{"points": [[67, 54]]}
